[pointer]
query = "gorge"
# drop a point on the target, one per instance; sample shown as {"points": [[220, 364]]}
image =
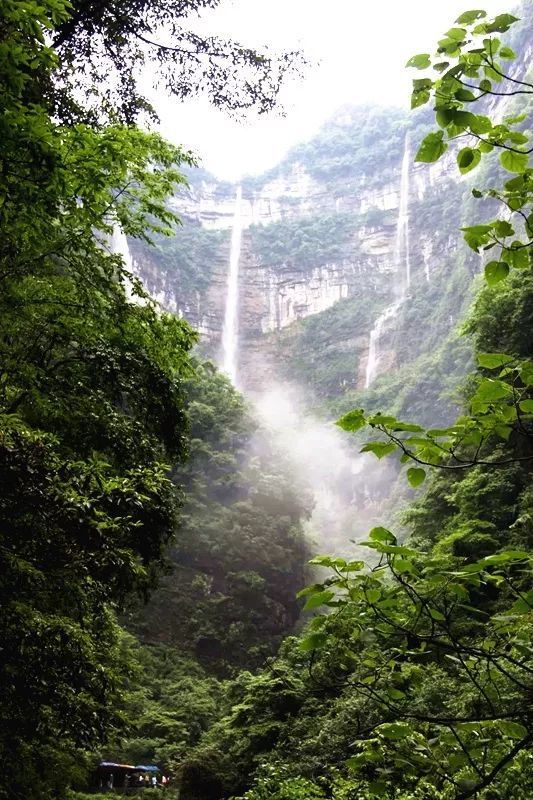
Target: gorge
{"points": [[266, 445]]}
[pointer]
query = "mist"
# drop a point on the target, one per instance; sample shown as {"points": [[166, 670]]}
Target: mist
{"points": [[348, 488]]}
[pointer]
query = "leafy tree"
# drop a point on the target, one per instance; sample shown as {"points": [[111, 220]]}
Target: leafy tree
{"points": [[91, 410], [462, 613], [107, 44], [241, 552]]}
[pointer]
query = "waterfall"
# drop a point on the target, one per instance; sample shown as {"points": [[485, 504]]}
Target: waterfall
{"points": [[231, 321], [119, 246], [401, 246], [426, 255], [402, 270], [373, 360]]}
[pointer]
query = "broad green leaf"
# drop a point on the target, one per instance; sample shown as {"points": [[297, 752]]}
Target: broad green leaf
{"points": [[395, 694], [493, 360], [480, 124], [468, 159], [464, 95], [313, 642], [394, 730], [402, 565], [382, 535], [501, 23], [503, 228], [318, 599], [322, 560], [527, 406], [514, 162], [496, 271], [490, 390], [432, 148], [354, 566], [380, 449], [457, 34], [416, 476], [517, 255], [419, 97], [421, 61], [514, 730], [507, 54], [352, 421], [470, 16], [317, 587]]}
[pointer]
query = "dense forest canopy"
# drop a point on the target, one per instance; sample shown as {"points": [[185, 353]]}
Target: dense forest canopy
{"points": [[123, 457]]}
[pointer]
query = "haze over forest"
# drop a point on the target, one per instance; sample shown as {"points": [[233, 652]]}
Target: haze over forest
{"points": [[266, 390]]}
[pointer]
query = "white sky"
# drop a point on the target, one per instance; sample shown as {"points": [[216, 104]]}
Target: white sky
{"points": [[361, 47]]}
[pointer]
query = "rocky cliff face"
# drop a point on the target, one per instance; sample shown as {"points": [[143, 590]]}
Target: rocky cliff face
{"points": [[318, 232]]}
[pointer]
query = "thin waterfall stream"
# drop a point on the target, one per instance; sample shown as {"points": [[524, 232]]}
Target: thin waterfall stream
{"points": [[402, 271], [230, 331]]}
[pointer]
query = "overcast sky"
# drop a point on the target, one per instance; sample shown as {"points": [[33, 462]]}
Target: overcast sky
{"points": [[361, 47]]}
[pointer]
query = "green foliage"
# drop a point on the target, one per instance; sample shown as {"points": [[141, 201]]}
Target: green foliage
{"points": [[103, 54], [183, 262], [91, 413], [473, 71], [241, 552], [303, 244]]}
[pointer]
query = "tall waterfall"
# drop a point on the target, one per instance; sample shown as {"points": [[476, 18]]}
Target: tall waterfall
{"points": [[402, 271], [401, 246], [119, 246], [231, 320]]}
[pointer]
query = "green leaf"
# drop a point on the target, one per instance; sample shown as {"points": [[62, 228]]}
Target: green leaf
{"points": [[323, 560], [432, 148], [382, 535], [458, 34], [517, 255], [464, 95], [318, 599], [352, 421], [395, 694], [380, 449], [503, 228], [314, 641], [354, 566], [507, 53], [501, 23], [420, 97], [527, 406], [317, 587], [496, 271], [421, 61], [490, 390], [514, 730], [470, 16], [514, 162], [416, 476], [468, 159], [494, 360], [394, 730]]}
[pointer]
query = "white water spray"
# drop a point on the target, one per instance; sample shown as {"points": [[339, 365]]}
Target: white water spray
{"points": [[402, 270], [119, 246], [231, 321], [401, 245]]}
